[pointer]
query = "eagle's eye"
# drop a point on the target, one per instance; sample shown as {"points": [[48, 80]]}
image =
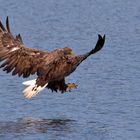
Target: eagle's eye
{"points": [[68, 51]]}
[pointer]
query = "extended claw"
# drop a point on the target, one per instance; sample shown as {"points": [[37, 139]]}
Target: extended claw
{"points": [[71, 86]]}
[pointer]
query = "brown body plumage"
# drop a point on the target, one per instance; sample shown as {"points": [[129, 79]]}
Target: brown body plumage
{"points": [[51, 67]]}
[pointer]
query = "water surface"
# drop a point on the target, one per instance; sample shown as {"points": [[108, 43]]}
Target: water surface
{"points": [[105, 106]]}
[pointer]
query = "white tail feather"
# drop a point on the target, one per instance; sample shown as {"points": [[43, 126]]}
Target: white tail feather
{"points": [[30, 82], [32, 89]]}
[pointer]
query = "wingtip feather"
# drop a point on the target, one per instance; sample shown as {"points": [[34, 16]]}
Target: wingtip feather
{"points": [[7, 24]]}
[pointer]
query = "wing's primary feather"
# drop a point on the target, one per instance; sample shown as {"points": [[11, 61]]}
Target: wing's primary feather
{"points": [[7, 24]]}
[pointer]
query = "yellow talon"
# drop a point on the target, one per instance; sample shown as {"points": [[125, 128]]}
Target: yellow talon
{"points": [[71, 86]]}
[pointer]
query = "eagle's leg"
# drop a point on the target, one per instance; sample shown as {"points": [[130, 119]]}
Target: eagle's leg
{"points": [[61, 86], [71, 86]]}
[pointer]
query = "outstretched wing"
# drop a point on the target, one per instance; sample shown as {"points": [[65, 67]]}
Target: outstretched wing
{"points": [[17, 58]]}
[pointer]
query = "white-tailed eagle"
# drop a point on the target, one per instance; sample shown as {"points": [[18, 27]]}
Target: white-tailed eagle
{"points": [[51, 67]]}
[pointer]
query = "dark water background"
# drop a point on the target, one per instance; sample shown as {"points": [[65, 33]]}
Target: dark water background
{"points": [[106, 104]]}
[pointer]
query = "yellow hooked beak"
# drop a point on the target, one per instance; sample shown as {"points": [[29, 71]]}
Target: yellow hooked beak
{"points": [[72, 53]]}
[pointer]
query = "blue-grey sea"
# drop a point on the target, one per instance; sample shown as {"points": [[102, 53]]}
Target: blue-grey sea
{"points": [[106, 103]]}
